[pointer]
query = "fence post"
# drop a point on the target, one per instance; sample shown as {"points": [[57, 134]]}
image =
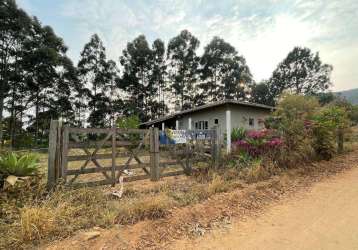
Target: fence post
{"points": [[64, 153], [113, 170], [216, 148], [340, 140], [154, 154], [188, 164], [52, 154]]}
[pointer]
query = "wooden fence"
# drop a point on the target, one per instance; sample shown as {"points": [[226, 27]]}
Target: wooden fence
{"points": [[104, 155]]}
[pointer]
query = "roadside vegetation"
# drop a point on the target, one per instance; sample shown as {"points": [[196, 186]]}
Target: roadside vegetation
{"points": [[299, 132]]}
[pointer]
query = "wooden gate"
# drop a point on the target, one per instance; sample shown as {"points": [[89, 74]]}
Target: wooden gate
{"points": [[99, 156], [202, 146]]}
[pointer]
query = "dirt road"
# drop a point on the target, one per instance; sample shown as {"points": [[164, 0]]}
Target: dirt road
{"points": [[312, 207], [324, 217]]}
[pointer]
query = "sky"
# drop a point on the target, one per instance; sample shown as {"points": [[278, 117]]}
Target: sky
{"points": [[263, 31]]}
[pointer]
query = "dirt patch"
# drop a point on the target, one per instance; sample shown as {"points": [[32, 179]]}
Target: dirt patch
{"points": [[218, 211], [322, 217]]}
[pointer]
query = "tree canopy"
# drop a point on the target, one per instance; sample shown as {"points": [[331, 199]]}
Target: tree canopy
{"points": [[39, 82], [301, 72]]}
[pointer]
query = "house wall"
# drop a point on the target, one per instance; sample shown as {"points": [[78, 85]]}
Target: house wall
{"points": [[240, 116]]}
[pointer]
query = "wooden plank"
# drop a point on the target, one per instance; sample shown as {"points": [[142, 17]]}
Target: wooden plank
{"points": [[135, 178], [58, 171], [65, 140], [113, 170], [90, 130], [132, 155], [99, 170], [174, 173], [188, 163], [90, 158], [154, 155], [106, 130], [51, 169], [216, 149], [107, 182], [90, 184], [93, 144], [168, 163], [132, 131], [85, 157]]}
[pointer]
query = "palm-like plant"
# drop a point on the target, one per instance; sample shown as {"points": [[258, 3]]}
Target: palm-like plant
{"points": [[18, 165], [238, 134]]}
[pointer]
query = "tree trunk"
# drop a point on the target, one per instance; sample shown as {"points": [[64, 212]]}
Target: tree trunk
{"points": [[37, 119], [1, 117], [12, 119]]}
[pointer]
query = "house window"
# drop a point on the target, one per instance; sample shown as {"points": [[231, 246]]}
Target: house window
{"points": [[251, 122], [202, 125], [216, 121], [181, 124]]}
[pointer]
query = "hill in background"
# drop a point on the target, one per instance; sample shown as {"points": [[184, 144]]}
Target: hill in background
{"points": [[350, 95]]}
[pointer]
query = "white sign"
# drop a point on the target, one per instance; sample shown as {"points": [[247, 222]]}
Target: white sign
{"points": [[178, 136]]}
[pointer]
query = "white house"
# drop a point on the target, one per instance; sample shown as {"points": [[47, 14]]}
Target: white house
{"points": [[225, 115]]}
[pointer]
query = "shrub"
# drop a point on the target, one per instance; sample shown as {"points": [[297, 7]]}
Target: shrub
{"points": [[17, 165], [323, 142], [326, 123], [132, 121], [258, 143], [292, 121], [238, 134]]}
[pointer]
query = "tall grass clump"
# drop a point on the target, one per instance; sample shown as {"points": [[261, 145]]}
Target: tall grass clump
{"points": [[151, 207]]}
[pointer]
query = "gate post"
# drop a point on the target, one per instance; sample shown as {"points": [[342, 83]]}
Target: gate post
{"points": [[52, 167], [216, 148], [114, 153], [154, 154], [64, 153], [188, 164]]}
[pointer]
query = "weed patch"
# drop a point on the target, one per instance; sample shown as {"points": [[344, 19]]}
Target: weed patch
{"points": [[150, 207]]}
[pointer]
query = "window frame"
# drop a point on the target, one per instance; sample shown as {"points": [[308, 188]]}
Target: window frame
{"points": [[252, 122]]}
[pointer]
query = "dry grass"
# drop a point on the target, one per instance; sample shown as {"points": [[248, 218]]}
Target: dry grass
{"points": [[29, 218], [150, 207], [56, 215], [256, 172], [36, 223], [218, 185]]}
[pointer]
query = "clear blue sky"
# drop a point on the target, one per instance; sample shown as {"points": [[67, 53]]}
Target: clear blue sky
{"points": [[262, 31]]}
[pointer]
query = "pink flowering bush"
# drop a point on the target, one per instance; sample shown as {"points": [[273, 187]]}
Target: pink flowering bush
{"points": [[258, 143]]}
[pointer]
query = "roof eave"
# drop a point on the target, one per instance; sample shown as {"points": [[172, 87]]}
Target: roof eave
{"points": [[215, 104]]}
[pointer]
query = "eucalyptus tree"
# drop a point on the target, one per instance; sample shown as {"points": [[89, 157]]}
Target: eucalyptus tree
{"points": [[14, 28], [136, 79], [42, 57], [260, 93], [158, 79], [224, 73], [301, 72], [143, 77], [97, 75], [183, 68]]}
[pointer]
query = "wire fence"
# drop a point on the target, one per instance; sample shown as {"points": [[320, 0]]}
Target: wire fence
{"points": [[22, 142]]}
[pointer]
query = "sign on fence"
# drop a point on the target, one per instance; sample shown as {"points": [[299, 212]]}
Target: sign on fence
{"points": [[170, 136]]}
